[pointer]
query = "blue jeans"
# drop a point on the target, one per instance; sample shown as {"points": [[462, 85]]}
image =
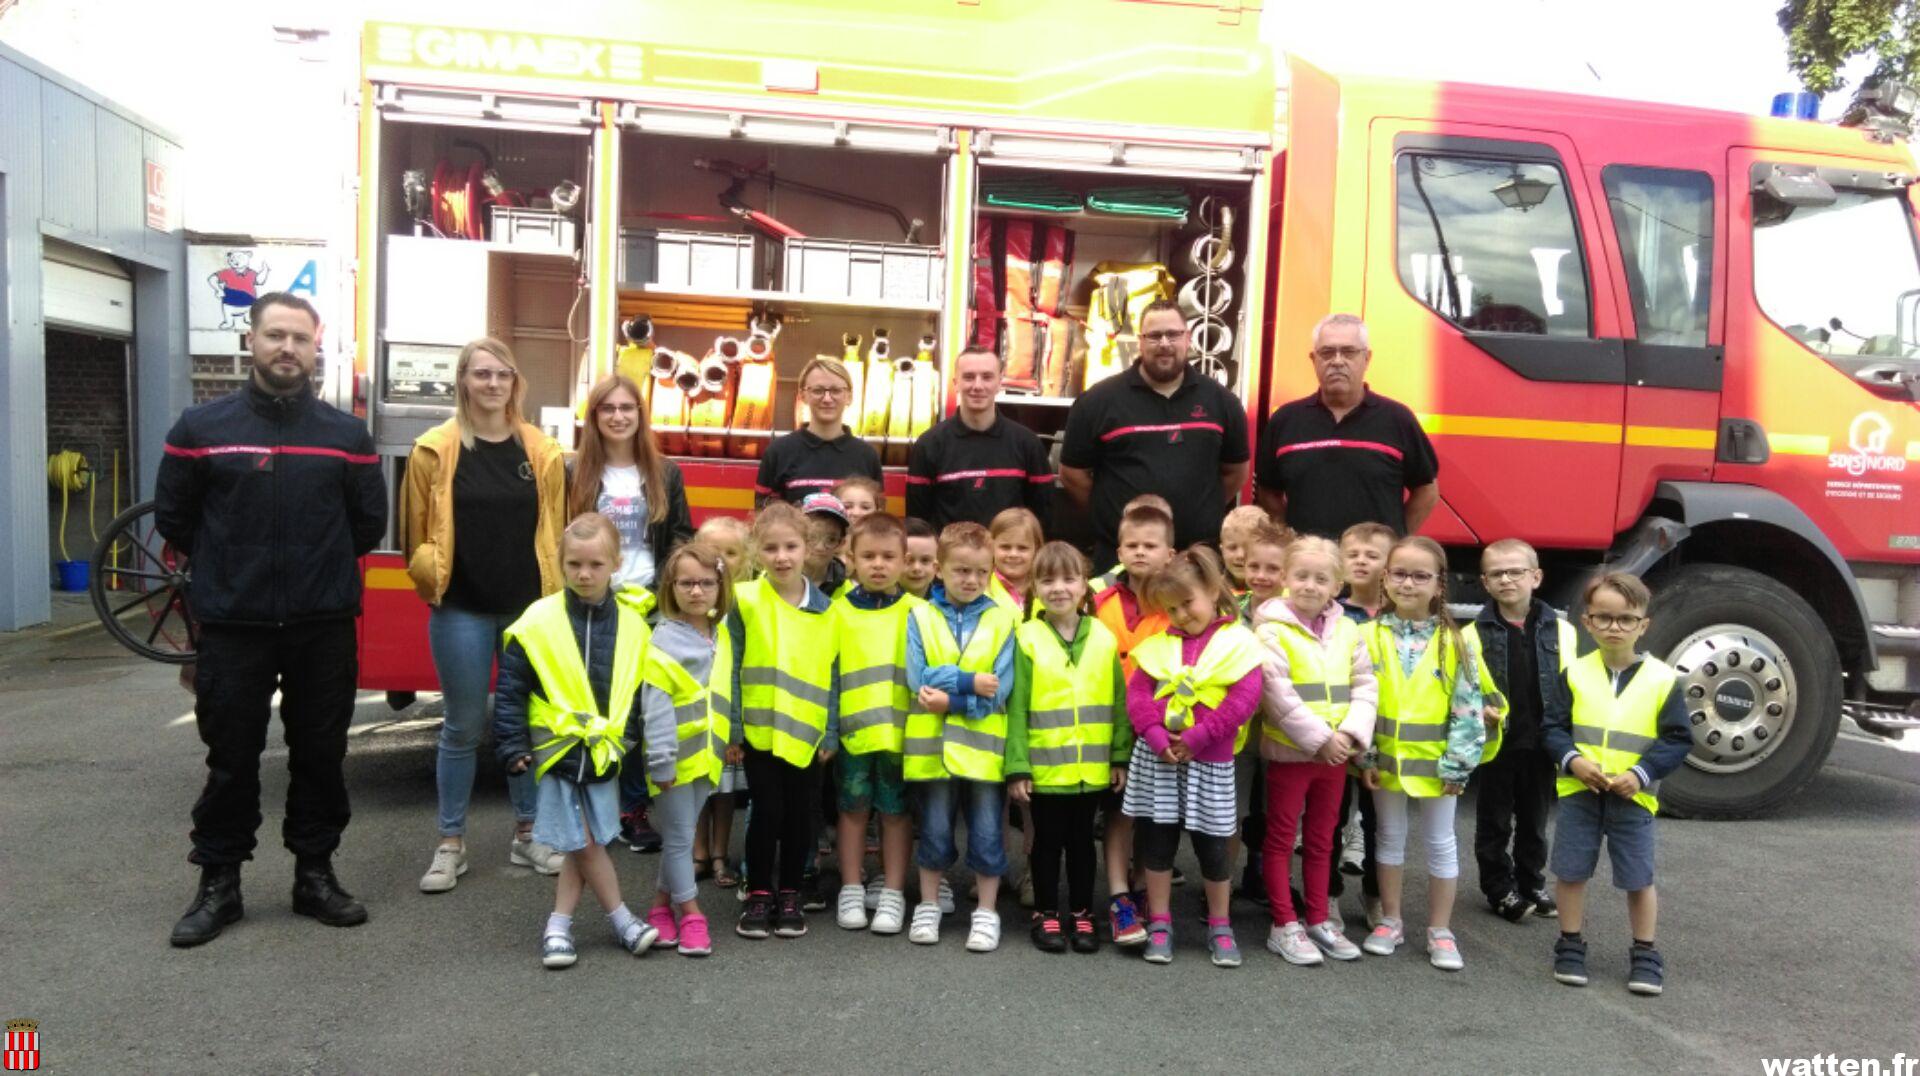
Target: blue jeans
{"points": [[464, 646], [940, 803]]}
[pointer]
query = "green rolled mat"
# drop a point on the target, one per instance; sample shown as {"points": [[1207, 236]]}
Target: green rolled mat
{"points": [[1163, 201], [1037, 196]]}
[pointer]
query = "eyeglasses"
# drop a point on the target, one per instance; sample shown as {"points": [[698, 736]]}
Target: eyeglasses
{"points": [[826, 392], [1401, 575], [491, 375], [617, 409], [1328, 354], [1507, 575], [1164, 337], [695, 585], [1616, 621]]}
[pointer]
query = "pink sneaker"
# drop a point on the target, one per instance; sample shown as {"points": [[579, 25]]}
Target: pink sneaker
{"points": [[661, 918], [694, 940]]}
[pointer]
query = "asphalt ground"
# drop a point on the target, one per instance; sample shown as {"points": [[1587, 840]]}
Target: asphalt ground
{"points": [[1785, 937]]}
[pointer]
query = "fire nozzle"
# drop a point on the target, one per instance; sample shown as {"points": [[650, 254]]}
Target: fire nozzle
{"points": [[664, 363], [713, 374], [730, 350]]}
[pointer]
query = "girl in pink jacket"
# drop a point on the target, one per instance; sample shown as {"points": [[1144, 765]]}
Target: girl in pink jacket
{"points": [[1318, 714]]}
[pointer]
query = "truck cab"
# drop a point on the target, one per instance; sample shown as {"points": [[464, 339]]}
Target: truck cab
{"points": [[1662, 340]]}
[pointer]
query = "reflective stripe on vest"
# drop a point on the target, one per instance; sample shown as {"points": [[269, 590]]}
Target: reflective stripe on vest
{"points": [[700, 730], [1070, 705], [871, 646], [1230, 654], [939, 746], [563, 707], [1614, 731], [785, 672], [1322, 675], [1414, 710]]}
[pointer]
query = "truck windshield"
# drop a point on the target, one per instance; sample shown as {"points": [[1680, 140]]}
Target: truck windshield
{"points": [[1841, 278]]}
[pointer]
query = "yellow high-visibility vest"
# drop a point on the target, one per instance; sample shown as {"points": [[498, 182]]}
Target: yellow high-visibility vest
{"points": [[563, 706], [1230, 655], [1069, 705], [700, 730], [1615, 730], [786, 674], [1321, 675], [939, 746], [872, 649], [1410, 734]]}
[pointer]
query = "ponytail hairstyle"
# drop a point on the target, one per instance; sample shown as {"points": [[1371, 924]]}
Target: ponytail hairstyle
{"points": [[1057, 559], [1197, 569], [703, 554], [591, 462], [1449, 633]]}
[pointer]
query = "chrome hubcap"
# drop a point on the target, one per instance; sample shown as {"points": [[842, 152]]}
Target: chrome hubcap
{"points": [[1740, 695]]}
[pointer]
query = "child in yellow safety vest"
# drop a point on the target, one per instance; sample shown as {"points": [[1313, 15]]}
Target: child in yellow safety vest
{"points": [[1428, 740], [869, 624], [1196, 686], [1066, 724], [1318, 714], [567, 707], [1618, 726], [960, 671], [779, 679], [687, 739]]}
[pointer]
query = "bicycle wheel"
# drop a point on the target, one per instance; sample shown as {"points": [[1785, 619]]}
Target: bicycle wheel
{"points": [[139, 588]]}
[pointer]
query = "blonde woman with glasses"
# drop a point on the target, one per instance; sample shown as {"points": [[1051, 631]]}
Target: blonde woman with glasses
{"points": [[814, 458]]}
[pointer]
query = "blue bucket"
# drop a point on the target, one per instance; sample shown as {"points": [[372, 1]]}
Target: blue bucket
{"points": [[73, 575]]}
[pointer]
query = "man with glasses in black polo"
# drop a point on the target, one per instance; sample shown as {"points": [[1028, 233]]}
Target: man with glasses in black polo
{"points": [[1160, 427], [1346, 455]]}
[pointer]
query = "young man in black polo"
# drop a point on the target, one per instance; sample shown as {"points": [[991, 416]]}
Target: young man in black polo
{"points": [[1346, 455], [1158, 428], [978, 463]]}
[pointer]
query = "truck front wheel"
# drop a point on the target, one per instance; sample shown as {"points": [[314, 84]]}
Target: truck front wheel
{"points": [[1761, 680]]}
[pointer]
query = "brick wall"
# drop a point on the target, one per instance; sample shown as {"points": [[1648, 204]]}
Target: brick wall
{"points": [[87, 411]]}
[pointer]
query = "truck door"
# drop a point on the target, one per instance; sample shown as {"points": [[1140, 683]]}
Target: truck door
{"points": [[1491, 314]]}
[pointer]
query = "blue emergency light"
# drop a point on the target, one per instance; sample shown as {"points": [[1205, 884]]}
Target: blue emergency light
{"points": [[1796, 106]]}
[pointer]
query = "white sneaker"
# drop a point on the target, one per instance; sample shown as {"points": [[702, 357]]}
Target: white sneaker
{"points": [[985, 935], [890, 911], [946, 898], [1385, 938], [926, 924], [1332, 942], [1353, 852], [527, 852], [875, 886], [1291, 944], [1443, 951], [449, 863], [852, 913]]}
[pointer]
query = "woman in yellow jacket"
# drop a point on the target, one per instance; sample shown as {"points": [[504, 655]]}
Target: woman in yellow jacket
{"points": [[484, 505]]}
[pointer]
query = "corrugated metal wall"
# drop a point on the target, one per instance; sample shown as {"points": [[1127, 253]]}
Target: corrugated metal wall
{"points": [[72, 166]]}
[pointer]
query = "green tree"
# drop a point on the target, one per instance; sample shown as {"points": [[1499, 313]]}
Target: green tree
{"points": [[1824, 35]]}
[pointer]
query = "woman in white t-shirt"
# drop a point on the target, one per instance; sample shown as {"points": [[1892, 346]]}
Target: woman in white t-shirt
{"points": [[620, 473]]}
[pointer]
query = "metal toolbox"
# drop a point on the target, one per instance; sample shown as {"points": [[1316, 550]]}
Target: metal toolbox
{"points": [[704, 261], [846, 269]]}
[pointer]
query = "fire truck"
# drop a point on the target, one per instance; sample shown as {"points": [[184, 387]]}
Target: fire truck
{"points": [[1670, 341]]}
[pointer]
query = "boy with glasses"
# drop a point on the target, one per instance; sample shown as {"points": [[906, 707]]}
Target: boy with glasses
{"points": [[1524, 646], [1617, 726]]}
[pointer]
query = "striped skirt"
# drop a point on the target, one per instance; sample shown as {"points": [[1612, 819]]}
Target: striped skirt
{"points": [[1193, 795]]}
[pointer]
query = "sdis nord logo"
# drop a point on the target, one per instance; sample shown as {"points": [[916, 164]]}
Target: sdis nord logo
{"points": [[1867, 436]]}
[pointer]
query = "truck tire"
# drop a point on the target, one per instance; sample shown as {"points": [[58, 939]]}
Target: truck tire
{"points": [[1761, 680]]}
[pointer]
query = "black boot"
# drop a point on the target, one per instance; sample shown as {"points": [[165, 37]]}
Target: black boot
{"points": [[215, 904], [316, 892]]}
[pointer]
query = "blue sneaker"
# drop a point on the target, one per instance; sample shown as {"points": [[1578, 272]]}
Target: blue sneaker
{"points": [[1570, 961], [1649, 971], [556, 951], [1124, 917]]}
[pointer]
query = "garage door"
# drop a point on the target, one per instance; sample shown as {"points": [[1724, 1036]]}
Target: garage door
{"points": [[84, 290]]}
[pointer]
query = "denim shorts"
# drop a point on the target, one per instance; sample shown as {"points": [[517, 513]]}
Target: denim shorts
{"points": [[1583, 820], [872, 780], [941, 804]]}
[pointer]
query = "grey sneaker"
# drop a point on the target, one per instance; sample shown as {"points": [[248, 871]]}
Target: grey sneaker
{"points": [[1649, 972], [1159, 944], [1443, 951], [1291, 945], [1329, 939], [1385, 938], [1221, 948], [527, 852], [449, 863]]}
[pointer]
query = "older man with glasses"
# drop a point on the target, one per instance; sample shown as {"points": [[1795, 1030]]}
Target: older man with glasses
{"points": [[1345, 454]]}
